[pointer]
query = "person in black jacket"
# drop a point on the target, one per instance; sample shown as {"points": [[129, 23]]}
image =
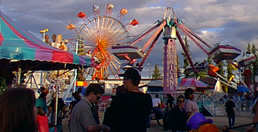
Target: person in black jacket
{"points": [[130, 110], [177, 117], [230, 105], [169, 107]]}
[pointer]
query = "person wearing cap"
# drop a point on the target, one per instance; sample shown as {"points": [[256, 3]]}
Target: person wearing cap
{"points": [[83, 117], [130, 110]]}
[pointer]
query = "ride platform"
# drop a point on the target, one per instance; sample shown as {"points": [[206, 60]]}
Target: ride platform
{"points": [[224, 52], [247, 61], [127, 52]]}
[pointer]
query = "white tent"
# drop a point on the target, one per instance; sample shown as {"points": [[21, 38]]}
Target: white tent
{"points": [[155, 83]]}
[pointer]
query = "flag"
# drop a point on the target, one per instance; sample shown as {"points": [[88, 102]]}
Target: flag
{"points": [[218, 87], [212, 70]]}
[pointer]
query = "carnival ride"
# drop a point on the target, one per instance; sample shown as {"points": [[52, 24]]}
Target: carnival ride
{"points": [[99, 33], [170, 26], [103, 33]]}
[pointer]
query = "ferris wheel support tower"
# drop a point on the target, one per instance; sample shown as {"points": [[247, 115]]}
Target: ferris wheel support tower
{"points": [[169, 54]]}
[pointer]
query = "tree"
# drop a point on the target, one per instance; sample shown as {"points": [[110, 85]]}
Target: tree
{"points": [[186, 61], [253, 50], [255, 64], [209, 60], [249, 48], [221, 70], [156, 73], [229, 70]]}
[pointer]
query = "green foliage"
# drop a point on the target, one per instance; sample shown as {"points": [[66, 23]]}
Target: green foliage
{"points": [[253, 50], [209, 60], [249, 48], [221, 70], [186, 61], [156, 73], [230, 70]]}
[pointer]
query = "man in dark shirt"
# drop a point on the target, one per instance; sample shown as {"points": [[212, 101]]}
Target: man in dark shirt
{"points": [[230, 105], [130, 110]]}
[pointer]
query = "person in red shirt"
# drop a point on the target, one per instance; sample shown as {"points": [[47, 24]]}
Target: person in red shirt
{"points": [[42, 120]]}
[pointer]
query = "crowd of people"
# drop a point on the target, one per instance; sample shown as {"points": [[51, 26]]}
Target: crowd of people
{"points": [[129, 111]]}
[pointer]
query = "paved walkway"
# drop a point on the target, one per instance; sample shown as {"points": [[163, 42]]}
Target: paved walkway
{"points": [[219, 121]]}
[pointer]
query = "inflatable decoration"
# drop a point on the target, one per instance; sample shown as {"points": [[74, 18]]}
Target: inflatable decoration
{"points": [[196, 120], [208, 128], [59, 38], [110, 6], [96, 9]]}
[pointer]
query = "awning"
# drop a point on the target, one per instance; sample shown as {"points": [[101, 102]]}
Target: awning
{"points": [[23, 49]]}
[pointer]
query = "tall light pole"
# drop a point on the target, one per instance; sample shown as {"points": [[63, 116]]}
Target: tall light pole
{"points": [[43, 32]]}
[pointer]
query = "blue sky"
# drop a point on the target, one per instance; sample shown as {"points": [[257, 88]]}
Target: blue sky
{"points": [[213, 20]]}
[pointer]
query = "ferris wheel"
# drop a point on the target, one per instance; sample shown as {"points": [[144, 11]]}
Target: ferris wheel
{"points": [[99, 33]]}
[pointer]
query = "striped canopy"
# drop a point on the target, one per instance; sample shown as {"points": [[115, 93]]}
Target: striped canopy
{"points": [[192, 82], [16, 44]]}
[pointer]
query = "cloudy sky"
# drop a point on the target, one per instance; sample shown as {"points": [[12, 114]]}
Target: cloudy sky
{"points": [[234, 21]]}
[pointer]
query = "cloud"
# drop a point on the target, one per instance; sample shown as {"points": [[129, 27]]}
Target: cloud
{"points": [[231, 20]]}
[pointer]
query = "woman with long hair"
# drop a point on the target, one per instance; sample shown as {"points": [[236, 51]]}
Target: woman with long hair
{"points": [[18, 111]]}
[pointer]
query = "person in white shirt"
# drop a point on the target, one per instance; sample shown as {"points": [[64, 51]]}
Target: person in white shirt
{"points": [[191, 106], [156, 102]]}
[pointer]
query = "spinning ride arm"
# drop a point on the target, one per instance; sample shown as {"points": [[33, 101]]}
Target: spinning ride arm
{"points": [[193, 37], [185, 50], [144, 34], [151, 42]]}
